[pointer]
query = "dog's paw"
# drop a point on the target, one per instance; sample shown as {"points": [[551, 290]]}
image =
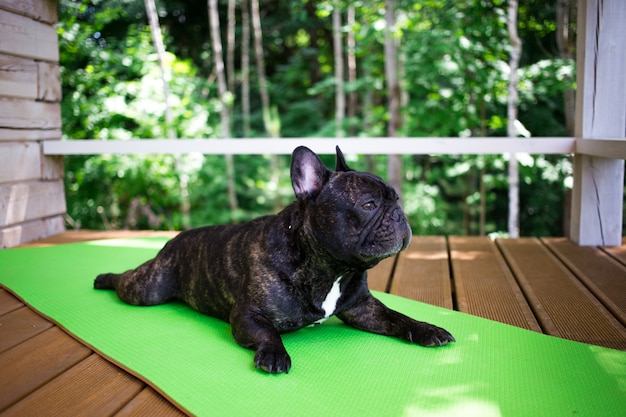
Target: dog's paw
{"points": [[429, 335], [274, 362]]}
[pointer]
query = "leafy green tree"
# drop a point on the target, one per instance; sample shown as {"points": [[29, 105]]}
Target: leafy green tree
{"points": [[453, 66]]}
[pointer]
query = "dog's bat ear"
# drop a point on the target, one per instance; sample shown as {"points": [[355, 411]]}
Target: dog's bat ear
{"points": [[341, 162], [308, 173]]}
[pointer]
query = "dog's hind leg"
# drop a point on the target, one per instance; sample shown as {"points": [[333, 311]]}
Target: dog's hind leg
{"points": [[146, 285]]}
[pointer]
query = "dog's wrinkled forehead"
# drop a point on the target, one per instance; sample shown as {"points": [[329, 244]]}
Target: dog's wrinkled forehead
{"points": [[356, 184]]}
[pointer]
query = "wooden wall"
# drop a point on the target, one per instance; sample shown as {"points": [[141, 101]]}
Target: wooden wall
{"points": [[32, 198]]}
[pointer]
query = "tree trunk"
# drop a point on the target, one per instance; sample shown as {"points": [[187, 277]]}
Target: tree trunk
{"points": [[260, 63], [245, 68], [230, 48], [157, 40], [394, 162], [340, 95], [516, 48], [352, 95], [183, 178], [216, 41], [566, 43], [270, 119]]}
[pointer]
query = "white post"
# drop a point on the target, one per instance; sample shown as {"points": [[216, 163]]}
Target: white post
{"points": [[600, 113]]}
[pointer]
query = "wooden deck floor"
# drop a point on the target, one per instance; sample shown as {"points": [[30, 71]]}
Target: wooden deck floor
{"points": [[545, 285]]}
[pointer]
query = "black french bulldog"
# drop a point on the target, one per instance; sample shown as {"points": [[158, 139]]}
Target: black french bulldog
{"points": [[280, 273]]}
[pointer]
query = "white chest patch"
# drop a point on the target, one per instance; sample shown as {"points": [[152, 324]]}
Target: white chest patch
{"points": [[330, 302]]}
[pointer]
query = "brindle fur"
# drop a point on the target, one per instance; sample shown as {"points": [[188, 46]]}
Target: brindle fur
{"points": [[271, 275]]}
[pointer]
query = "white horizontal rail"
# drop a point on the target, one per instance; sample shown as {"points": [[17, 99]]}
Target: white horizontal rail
{"points": [[368, 146]]}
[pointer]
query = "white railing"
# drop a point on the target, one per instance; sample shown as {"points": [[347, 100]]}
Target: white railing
{"points": [[606, 148]]}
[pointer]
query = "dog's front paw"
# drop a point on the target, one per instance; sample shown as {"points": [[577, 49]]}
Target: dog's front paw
{"points": [[272, 361], [428, 335]]}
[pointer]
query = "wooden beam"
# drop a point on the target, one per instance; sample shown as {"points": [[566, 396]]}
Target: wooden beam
{"points": [[604, 148], [48, 81], [18, 77], [379, 146], [42, 10], [27, 38], [597, 197], [19, 161], [31, 230], [27, 114], [8, 134], [25, 201]]}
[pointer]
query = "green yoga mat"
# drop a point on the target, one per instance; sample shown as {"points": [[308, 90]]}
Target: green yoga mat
{"points": [[492, 370]]}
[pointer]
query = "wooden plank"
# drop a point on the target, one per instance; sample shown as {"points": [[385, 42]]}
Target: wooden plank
{"points": [[20, 325], [604, 276], [52, 168], [20, 161], [48, 81], [379, 146], [43, 10], [484, 284], [148, 404], [597, 196], [25, 114], [18, 77], [92, 388], [8, 302], [25, 37], [605, 148], [32, 200], [379, 277], [562, 304], [29, 134], [422, 272], [27, 232], [33, 363]]}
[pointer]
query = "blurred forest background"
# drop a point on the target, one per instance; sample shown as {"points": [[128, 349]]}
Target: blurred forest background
{"points": [[453, 66]]}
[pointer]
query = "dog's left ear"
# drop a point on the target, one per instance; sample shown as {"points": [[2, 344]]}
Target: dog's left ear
{"points": [[341, 162], [308, 173]]}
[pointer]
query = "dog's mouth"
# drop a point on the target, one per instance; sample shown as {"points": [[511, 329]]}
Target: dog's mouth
{"points": [[405, 242], [383, 250]]}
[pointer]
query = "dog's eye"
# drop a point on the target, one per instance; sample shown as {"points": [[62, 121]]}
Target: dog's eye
{"points": [[369, 206]]}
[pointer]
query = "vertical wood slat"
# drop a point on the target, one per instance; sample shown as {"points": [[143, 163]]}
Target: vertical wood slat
{"points": [[20, 325], [92, 388], [8, 302], [617, 252], [422, 272], [35, 362], [597, 197], [564, 306], [379, 277], [149, 404], [484, 284], [604, 276]]}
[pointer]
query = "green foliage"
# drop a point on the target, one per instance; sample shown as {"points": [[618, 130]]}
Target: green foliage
{"points": [[454, 67]]}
